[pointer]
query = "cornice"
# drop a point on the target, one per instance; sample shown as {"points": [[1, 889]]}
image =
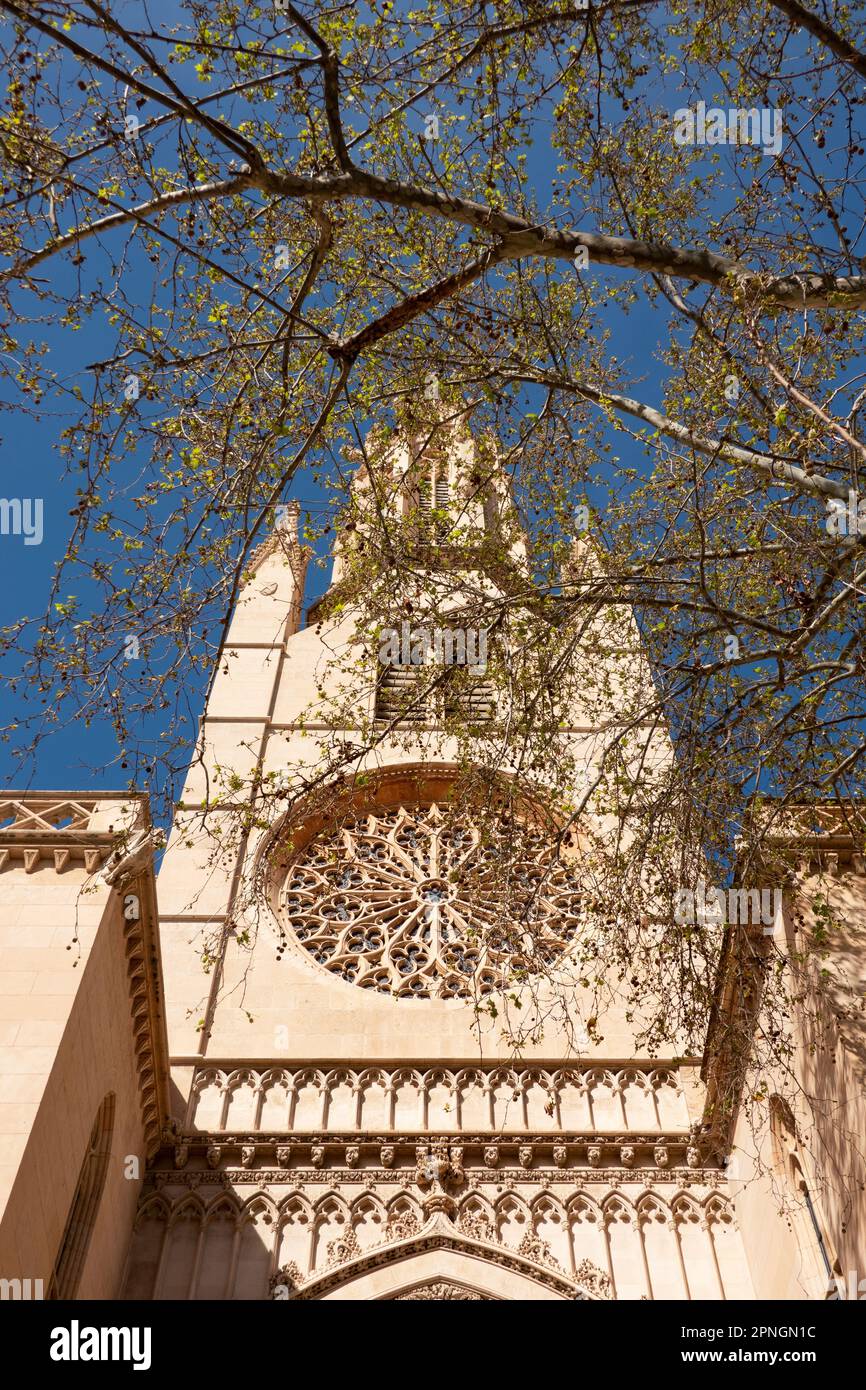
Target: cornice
{"points": [[591, 1155]]}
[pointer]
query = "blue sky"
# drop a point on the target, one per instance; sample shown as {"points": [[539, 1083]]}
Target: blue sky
{"points": [[74, 757]]}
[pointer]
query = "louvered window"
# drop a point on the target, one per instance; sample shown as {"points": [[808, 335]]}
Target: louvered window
{"points": [[435, 492], [472, 702], [404, 694], [397, 692]]}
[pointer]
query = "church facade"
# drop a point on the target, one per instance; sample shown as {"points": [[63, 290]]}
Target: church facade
{"points": [[273, 1071]]}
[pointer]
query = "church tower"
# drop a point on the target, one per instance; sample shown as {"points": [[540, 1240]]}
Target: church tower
{"points": [[367, 1036], [355, 1116]]}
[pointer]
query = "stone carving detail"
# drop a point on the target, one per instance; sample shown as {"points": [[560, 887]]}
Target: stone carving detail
{"points": [[662, 1157], [593, 1153], [386, 1155], [440, 1292], [491, 1156], [525, 1155], [284, 1155], [214, 1154], [181, 1154], [402, 1226], [318, 1232], [476, 1224], [438, 1172], [412, 902], [538, 1250], [344, 1248], [285, 1281], [591, 1278], [498, 1099], [560, 1155], [248, 1155], [352, 1156]]}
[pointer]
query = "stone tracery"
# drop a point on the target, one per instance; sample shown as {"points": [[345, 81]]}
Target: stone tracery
{"points": [[413, 902], [440, 1292]]}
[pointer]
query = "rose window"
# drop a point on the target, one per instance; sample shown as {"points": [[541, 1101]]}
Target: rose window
{"points": [[422, 904]]}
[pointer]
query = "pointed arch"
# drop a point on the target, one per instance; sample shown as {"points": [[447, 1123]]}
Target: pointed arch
{"points": [[476, 1216], [207, 1104], [369, 1221], [403, 1217], [293, 1240], [513, 1219], [189, 1207], [333, 1237], [652, 1205], [260, 1204], [441, 1253], [255, 1248], [181, 1249], [84, 1209], [375, 1099], [149, 1232], [225, 1206], [154, 1208], [295, 1203]]}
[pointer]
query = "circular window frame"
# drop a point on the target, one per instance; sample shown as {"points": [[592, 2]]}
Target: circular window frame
{"points": [[409, 786]]}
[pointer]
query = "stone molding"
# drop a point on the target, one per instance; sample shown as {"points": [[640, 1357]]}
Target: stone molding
{"points": [[440, 1233], [243, 1156]]}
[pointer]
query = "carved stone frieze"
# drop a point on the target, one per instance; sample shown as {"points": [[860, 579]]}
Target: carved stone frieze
{"points": [[442, 1292], [567, 1152]]}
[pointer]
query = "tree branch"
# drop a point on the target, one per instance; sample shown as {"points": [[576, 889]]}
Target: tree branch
{"points": [[178, 197], [777, 470], [820, 30]]}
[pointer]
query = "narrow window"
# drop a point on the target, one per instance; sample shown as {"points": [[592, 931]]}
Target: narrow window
{"points": [[69, 1264]]}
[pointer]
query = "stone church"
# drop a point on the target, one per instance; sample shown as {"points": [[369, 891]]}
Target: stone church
{"points": [[259, 1073]]}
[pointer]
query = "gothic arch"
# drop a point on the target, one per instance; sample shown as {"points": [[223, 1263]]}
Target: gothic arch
{"points": [[476, 1216], [582, 1205], [259, 1205], [617, 1207], [84, 1208], [153, 1208], [441, 1254], [224, 1207], [369, 1220]]}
